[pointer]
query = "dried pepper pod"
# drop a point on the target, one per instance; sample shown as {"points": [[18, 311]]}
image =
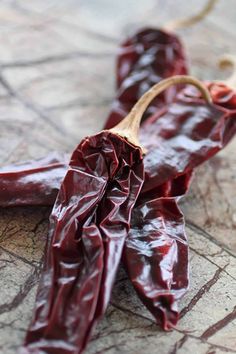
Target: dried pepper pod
{"points": [[177, 141], [89, 224], [146, 58], [97, 195]]}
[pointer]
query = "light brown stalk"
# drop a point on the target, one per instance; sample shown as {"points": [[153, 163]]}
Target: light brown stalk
{"points": [[129, 126], [187, 22]]}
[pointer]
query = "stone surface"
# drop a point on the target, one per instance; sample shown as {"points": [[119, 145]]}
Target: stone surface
{"points": [[56, 83]]}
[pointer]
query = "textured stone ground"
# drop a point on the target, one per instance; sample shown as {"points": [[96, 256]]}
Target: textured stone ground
{"points": [[56, 85]]}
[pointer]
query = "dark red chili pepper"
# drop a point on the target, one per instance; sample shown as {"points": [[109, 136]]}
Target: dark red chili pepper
{"points": [[146, 58], [155, 252], [89, 225], [97, 195]]}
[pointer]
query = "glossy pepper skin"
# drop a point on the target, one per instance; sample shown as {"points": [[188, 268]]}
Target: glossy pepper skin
{"points": [[146, 58], [156, 257], [33, 182], [186, 134], [88, 227]]}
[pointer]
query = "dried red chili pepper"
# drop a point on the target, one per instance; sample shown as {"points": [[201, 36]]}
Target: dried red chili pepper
{"points": [[155, 252], [146, 58], [89, 225], [96, 196], [156, 257]]}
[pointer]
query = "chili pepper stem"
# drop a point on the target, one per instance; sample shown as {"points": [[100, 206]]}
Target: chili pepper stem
{"points": [[187, 22], [229, 60], [129, 126]]}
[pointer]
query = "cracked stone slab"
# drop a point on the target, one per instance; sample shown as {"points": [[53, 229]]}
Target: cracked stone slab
{"points": [[120, 332], [23, 233]]}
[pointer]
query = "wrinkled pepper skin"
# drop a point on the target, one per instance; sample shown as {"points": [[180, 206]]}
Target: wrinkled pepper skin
{"points": [[145, 59], [156, 252], [33, 182], [185, 135], [156, 257], [88, 227]]}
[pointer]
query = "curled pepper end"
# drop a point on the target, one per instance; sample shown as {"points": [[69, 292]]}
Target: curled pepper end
{"points": [[187, 22], [129, 126], [226, 61], [165, 311]]}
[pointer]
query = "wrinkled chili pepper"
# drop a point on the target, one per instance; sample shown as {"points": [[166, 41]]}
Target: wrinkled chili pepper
{"points": [[155, 252], [89, 225], [146, 58]]}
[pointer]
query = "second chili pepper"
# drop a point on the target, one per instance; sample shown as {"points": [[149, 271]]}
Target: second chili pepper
{"points": [[155, 253], [146, 58]]}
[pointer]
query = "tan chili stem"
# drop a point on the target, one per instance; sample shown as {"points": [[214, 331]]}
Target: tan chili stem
{"points": [[229, 60], [129, 126], [187, 22]]}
